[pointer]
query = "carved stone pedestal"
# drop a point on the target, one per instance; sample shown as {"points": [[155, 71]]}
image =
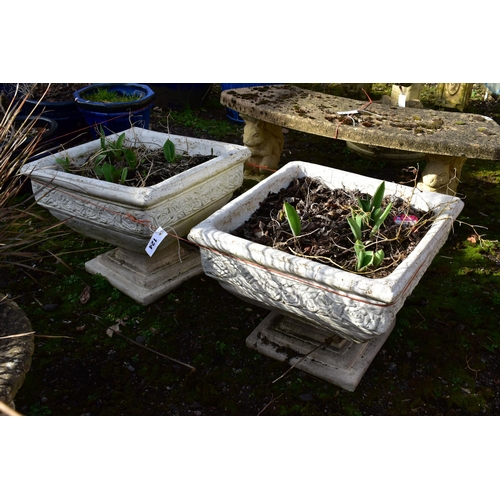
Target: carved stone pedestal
{"points": [[144, 278], [319, 352], [442, 174], [265, 141], [453, 95]]}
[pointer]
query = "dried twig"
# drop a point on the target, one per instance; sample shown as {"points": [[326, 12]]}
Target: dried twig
{"points": [[468, 366], [269, 404], [7, 410], [325, 342], [16, 335], [192, 368]]}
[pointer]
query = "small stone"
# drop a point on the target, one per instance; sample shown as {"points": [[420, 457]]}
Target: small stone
{"points": [[306, 397], [50, 307], [140, 339]]}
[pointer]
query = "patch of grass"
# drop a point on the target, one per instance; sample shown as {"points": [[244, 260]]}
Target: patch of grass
{"points": [[106, 95], [39, 409], [191, 118]]}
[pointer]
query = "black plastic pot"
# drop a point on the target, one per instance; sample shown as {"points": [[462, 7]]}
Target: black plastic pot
{"points": [[47, 141], [49, 135], [116, 116], [47, 144], [70, 122]]}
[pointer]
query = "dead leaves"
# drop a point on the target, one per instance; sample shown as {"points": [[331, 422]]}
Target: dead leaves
{"points": [[115, 328], [85, 295]]}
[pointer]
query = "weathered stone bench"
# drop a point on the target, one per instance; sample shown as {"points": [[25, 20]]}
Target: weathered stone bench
{"points": [[446, 138]]}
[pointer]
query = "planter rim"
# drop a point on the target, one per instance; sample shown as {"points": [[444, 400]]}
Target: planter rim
{"points": [[148, 96], [46, 171], [379, 291], [43, 120]]}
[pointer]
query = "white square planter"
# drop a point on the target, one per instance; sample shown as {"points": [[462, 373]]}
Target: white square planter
{"points": [[354, 314], [126, 216]]}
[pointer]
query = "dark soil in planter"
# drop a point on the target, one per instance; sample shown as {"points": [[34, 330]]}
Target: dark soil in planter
{"points": [[58, 92], [326, 236], [158, 169], [155, 168]]}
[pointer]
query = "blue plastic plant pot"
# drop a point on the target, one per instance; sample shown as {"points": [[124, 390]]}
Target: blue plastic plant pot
{"points": [[116, 116], [232, 115]]}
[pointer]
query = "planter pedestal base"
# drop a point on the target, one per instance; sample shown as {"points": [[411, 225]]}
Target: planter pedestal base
{"points": [[143, 278], [321, 353]]}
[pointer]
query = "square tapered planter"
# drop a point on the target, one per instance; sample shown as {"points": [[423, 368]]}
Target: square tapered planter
{"points": [[126, 216], [332, 321]]}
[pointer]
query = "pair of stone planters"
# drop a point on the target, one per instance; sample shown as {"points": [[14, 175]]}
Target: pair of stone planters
{"points": [[127, 217], [329, 321]]}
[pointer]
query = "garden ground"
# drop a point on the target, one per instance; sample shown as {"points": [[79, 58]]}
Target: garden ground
{"points": [[443, 357]]}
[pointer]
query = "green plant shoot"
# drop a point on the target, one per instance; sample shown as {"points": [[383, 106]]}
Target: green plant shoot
{"points": [[114, 162], [373, 216], [356, 224], [293, 218], [367, 258], [169, 151], [64, 162]]}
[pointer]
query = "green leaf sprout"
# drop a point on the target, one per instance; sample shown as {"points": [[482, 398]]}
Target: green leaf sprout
{"points": [[293, 218]]}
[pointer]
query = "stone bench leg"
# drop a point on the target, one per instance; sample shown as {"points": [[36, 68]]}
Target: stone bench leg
{"points": [[441, 174], [266, 142]]}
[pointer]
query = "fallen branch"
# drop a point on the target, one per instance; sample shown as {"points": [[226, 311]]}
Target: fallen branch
{"points": [[16, 335], [7, 410]]}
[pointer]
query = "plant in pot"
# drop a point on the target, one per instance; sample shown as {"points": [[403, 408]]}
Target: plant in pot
{"points": [[115, 106], [331, 310], [129, 215]]}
